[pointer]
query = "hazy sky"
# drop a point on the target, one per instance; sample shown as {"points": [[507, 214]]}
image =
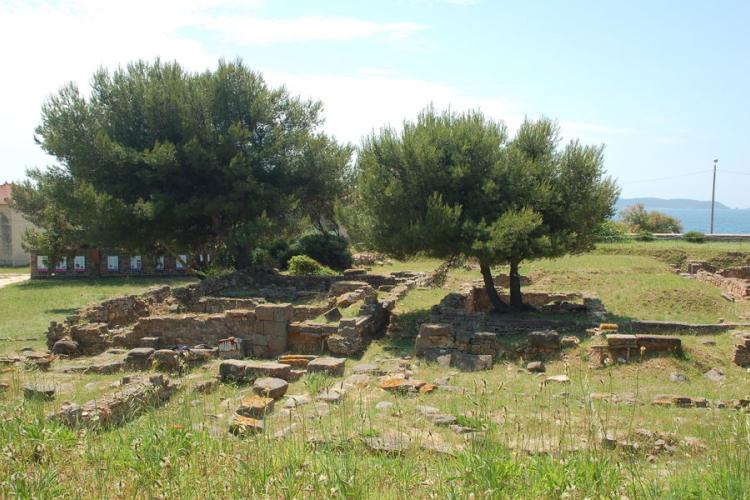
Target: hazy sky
{"points": [[664, 85]]}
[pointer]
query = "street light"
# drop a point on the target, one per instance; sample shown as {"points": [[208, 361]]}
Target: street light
{"points": [[713, 197]]}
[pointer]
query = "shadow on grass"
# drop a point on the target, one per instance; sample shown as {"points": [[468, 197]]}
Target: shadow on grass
{"points": [[63, 310], [43, 284]]}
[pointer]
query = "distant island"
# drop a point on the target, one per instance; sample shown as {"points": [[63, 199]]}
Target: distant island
{"points": [[657, 203]]}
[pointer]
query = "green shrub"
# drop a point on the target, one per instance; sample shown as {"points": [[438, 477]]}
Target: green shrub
{"points": [[694, 237], [329, 249], [643, 235], [302, 265], [637, 218], [610, 231]]}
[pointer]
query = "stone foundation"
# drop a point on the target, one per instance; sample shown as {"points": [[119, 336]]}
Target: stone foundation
{"points": [[734, 281], [187, 316], [118, 407]]}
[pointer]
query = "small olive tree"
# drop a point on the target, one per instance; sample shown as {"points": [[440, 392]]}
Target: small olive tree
{"points": [[452, 185]]}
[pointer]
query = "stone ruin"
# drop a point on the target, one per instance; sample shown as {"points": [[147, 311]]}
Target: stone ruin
{"points": [[132, 399], [172, 327], [734, 282], [623, 347], [742, 350]]}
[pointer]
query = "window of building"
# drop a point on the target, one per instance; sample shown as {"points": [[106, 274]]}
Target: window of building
{"points": [[41, 263], [159, 264], [136, 264], [79, 263], [181, 262], [113, 263], [62, 266]]}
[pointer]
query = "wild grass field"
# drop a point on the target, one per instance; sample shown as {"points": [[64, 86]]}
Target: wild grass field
{"points": [[518, 436], [27, 308]]}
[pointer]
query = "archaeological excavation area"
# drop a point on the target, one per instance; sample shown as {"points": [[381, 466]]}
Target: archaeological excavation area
{"points": [[372, 371]]}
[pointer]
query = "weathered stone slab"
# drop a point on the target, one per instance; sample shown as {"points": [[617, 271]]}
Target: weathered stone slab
{"points": [[331, 366], [248, 371], [139, 358], [471, 362], [271, 387]]}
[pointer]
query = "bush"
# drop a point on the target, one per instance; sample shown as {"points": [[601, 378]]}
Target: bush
{"points": [[694, 237], [302, 265], [610, 231], [645, 236], [329, 249], [637, 219]]}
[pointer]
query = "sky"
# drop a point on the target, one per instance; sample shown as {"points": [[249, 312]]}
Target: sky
{"points": [[663, 85]]}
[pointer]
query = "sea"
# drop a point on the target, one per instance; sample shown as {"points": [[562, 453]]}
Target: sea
{"points": [[726, 220]]}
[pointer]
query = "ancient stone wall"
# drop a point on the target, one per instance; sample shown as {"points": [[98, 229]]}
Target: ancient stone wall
{"points": [[735, 287], [263, 330]]}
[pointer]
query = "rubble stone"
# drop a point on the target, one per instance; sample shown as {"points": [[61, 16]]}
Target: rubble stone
{"points": [[119, 406], [66, 347], [241, 425], [255, 406], [39, 391], [536, 367]]}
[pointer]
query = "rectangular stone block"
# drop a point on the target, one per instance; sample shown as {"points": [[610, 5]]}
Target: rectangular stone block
{"points": [[247, 371], [331, 366], [283, 312], [265, 312]]}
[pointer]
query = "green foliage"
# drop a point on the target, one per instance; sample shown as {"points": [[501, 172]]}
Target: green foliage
{"points": [[694, 237], [160, 157], [637, 219], [610, 231], [302, 265], [454, 185], [329, 249], [644, 235]]}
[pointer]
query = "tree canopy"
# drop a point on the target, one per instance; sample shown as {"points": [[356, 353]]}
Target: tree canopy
{"points": [[160, 157], [637, 219], [453, 185]]}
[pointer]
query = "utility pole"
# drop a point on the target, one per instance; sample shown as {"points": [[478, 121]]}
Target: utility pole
{"points": [[713, 197]]}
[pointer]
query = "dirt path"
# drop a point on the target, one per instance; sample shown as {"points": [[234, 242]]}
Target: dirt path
{"points": [[9, 279]]}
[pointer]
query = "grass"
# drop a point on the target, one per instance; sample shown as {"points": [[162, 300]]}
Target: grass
{"points": [[14, 270], [27, 308], [534, 439]]}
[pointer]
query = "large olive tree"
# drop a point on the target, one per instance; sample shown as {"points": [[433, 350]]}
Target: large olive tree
{"points": [[158, 156], [452, 185]]}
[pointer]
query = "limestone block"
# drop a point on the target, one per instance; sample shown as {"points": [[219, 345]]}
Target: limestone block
{"points": [[434, 335], [471, 362], [545, 340], [270, 387], [139, 358], [255, 406], [329, 365]]}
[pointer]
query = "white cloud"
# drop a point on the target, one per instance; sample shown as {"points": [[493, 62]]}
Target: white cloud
{"points": [[48, 45], [354, 105], [251, 30]]}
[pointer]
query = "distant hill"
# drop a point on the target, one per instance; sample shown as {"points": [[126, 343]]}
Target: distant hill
{"points": [[657, 203]]}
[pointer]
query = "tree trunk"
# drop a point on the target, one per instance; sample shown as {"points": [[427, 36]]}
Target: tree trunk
{"points": [[516, 300], [241, 257], [489, 285]]}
